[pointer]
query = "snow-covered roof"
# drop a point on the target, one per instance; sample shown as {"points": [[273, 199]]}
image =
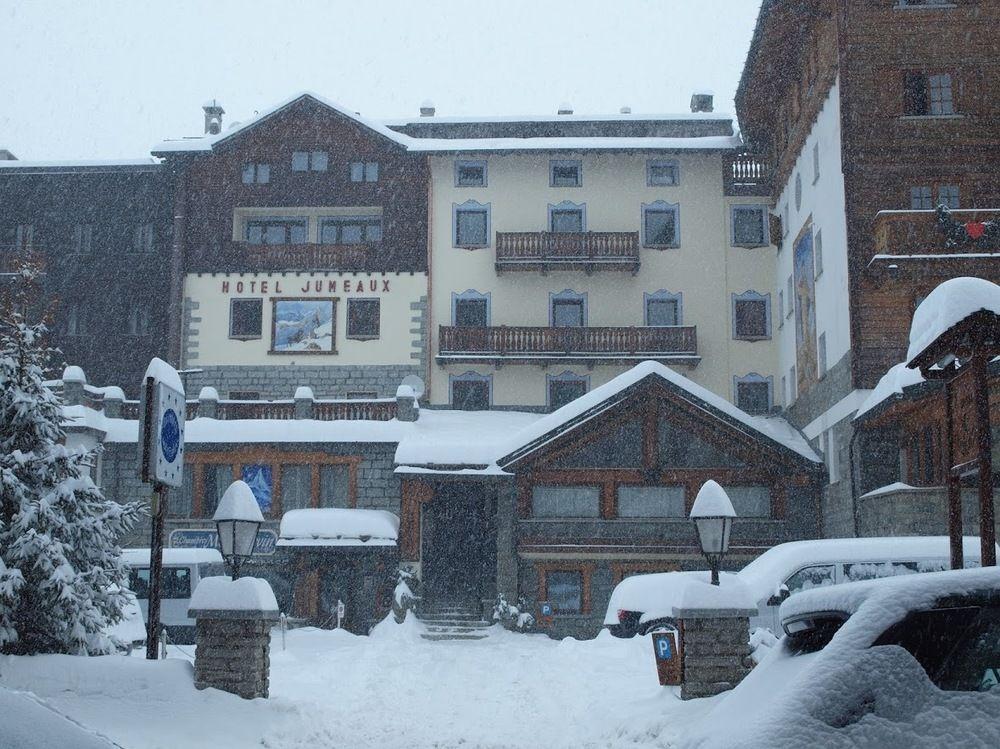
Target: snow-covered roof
{"points": [[618, 117], [328, 526], [84, 164], [576, 143], [946, 306], [890, 385], [140, 557], [595, 402], [222, 593]]}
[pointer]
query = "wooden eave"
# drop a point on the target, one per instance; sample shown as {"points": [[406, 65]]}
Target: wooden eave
{"points": [[978, 333]]}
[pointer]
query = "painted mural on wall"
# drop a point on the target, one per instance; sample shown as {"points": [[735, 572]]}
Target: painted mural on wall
{"points": [[303, 326], [805, 309], [259, 478]]}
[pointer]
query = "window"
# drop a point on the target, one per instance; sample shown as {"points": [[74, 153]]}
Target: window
{"points": [[244, 395], [790, 296], [662, 173], [818, 252], [948, 195], [927, 95], [470, 174], [784, 221], [256, 174], [567, 309], [83, 237], [815, 163], [277, 230], [472, 224], [138, 321], [784, 390], [921, 199], [350, 230], [660, 224], [471, 391], [470, 309], [246, 318], [821, 355], [751, 316], [753, 393], [20, 237], [798, 191], [831, 457], [749, 224], [296, 487], [781, 308], [651, 501], [750, 501], [305, 161], [923, 3], [215, 481], [363, 318], [564, 590], [565, 173], [662, 309], [816, 576], [175, 582], [564, 388], [567, 217], [76, 319], [793, 385], [142, 239], [334, 486], [565, 501], [364, 171]]}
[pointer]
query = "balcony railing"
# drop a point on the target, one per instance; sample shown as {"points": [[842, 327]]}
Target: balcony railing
{"points": [[746, 174], [13, 257], [917, 233], [524, 344], [586, 250], [349, 257]]}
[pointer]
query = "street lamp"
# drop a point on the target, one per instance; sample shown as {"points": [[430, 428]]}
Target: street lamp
{"points": [[238, 519], [713, 515]]}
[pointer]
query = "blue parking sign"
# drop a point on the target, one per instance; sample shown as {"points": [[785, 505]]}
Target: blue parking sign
{"points": [[546, 608], [663, 651]]}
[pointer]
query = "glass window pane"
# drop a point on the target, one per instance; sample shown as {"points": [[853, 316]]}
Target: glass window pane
{"points": [[753, 397], [567, 220], [660, 227], [470, 395], [246, 318], [274, 234], [562, 392], [334, 486], [565, 175], [217, 479], [662, 174], [470, 228], [751, 318], [750, 501], [363, 318], [300, 161], [263, 173], [255, 234], [471, 175], [180, 502], [748, 226], [662, 312], [470, 313], [817, 576], [651, 501], [371, 171], [351, 233], [567, 313], [565, 591], [566, 501], [249, 173], [357, 171], [297, 233], [296, 487], [374, 230], [319, 161]]}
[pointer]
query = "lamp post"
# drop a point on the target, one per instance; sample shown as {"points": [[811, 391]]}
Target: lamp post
{"points": [[238, 519], [713, 515]]}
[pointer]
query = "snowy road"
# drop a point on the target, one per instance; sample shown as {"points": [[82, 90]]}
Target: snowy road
{"points": [[331, 689]]}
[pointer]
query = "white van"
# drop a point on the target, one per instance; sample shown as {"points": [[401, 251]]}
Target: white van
{"points": [[183, 569], [639, 603]]}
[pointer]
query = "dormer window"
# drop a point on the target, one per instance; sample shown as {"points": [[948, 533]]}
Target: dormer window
{"points": [[310, 161]]}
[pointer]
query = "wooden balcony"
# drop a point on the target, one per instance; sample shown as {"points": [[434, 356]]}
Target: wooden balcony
{"points": [[906, 240], [541, 345], [587, 251], [13, 258], [746, 174], [291, 257]]}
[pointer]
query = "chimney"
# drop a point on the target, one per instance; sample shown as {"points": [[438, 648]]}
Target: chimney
{"points": [[565, 108], [427, 108], [213, 117], [625, 110], [702, 101]]}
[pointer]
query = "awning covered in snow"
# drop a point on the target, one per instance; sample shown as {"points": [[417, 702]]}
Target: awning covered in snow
{"points": [[338, 527]]}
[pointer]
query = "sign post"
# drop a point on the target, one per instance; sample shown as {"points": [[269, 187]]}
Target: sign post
{"points": [[161, 463]]}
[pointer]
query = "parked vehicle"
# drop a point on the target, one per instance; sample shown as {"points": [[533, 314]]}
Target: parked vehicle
{"points": [[638, 604], [908, 661], [183, 569]]}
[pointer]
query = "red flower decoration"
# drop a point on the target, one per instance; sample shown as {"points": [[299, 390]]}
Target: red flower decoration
{"points": [[975, 229]]}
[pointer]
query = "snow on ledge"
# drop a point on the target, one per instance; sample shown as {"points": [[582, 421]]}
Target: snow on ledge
{"points": [[225, 594], [160, 371], [891, 384], [897, 486], [329, 526]]}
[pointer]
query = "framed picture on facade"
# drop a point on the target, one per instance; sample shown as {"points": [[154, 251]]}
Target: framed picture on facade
{"points": [[304, 326]]}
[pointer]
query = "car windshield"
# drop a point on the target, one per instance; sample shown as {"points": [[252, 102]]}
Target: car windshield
{"points": [[959, 648]]}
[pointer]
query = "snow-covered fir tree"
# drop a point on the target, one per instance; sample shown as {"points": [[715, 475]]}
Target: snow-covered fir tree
{"points": [[61, 574]]}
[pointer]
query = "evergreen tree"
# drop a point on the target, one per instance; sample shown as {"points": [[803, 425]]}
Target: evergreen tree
{"points": [[61, 574]]}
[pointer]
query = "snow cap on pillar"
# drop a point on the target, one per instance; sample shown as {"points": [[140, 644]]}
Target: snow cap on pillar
{"points": [[238, 503], [160, 371], [712, 502], [74, 373]]}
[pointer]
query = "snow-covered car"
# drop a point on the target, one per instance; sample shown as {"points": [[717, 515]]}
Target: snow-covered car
{"points": [[907, 661], [642, 603], [183, 569]]}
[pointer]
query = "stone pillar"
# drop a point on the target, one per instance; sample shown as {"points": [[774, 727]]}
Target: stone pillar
{"points": [[407, 408], [114, 401], [304, 402], [234, 651], [208, 402], [74, 384], [715, 648]]}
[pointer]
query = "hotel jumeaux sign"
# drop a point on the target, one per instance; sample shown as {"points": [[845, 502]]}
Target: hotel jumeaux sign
{"points": [[279, 286]]}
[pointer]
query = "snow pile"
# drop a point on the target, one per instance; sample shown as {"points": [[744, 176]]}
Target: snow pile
{"points": [[222, 593], [895, 486], [31, 724], [162, 372], [330, 526], [410, 630], [662, 595], [946, 306], [712, 502], [238, 503], [891, 384], [172, 557]]}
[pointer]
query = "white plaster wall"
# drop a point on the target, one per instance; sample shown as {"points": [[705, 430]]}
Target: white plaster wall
{"points": [[824, 201], [393, 346], [705, 268]]}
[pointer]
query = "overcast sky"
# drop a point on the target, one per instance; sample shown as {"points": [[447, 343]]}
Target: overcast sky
{"points": [[109, 78]]}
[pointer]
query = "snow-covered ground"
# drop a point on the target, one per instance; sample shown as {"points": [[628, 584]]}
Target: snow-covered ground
{"points": [[393, 689]]}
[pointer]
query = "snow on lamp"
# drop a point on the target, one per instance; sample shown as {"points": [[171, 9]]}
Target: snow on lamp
{"points": [[713, 515], [238, 519]]}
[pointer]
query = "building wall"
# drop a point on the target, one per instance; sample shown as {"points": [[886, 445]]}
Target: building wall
{"points": [[705, 269]]}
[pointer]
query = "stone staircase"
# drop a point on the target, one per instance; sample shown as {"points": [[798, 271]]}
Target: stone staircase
{"points": [[453, 622]]}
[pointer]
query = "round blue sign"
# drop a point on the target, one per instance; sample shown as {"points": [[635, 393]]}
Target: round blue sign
{"points": [[170, 435]]}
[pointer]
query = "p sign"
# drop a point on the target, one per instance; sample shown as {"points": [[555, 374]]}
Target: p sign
{"points": [[664, 648], [161, 427], [668, 661]]}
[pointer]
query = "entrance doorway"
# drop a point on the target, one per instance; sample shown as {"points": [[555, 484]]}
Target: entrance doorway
{"points": [[459, 546]]}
